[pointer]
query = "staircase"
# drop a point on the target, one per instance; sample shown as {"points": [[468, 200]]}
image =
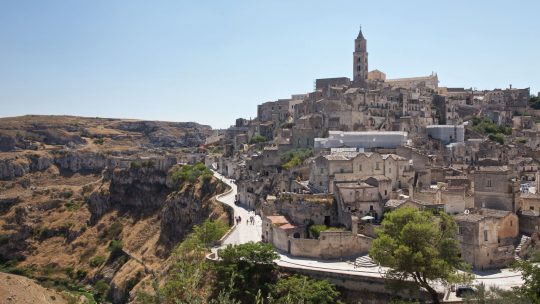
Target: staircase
{"points": [[364, 261], [524, 241]]}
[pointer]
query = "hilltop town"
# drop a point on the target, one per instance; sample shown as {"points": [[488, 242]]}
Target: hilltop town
{"points": [[348, 152], [106, 205]]}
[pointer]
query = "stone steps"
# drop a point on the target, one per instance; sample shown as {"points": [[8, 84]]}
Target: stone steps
{"points": [[524, 240], [364, 261]]}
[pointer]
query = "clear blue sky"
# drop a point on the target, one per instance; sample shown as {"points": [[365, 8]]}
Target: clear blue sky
{"points": [[214, 61]]}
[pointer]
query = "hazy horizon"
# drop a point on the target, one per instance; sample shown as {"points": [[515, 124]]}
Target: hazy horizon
{"points": [[213, 62]]}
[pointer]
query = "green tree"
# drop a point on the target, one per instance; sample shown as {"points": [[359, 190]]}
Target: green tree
{"points": [[301, 289], [249, 268], [295, 157], [530, 273], [257, 138], [419, 249], [190, 277]]}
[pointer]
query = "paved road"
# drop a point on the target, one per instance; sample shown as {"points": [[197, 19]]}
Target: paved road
{"points": [[243, 232]]}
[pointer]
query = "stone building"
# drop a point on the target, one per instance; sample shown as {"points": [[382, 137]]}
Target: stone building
{"points": [[366, 140], [431, 82], [376, 75], [487, 237], [447, 133], [356, 166], [496, 188]]}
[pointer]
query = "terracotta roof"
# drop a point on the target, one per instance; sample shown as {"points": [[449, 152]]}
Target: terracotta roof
{"points": [[277, 219], [287, 226]]}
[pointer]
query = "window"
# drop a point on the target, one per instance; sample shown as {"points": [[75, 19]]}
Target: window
{"points": [[485, 235], [489, 183], [385, 192], [389, 170], [322, 170], [360, 167], [531, 207], [370, 207], [377, 166], [461, 230], [341, 170]]}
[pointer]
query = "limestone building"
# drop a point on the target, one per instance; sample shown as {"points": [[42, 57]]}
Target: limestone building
{"points": [[495, 188], [487, 238]]}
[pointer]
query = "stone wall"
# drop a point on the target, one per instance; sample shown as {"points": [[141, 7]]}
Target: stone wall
{"points": [[330, 245]]}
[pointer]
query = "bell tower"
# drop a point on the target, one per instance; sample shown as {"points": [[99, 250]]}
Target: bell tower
{"points": [[360, 57]]}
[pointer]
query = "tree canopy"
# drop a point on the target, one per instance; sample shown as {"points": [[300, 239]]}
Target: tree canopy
{"points": [[420, 249], [301, 289], [249, 268]]}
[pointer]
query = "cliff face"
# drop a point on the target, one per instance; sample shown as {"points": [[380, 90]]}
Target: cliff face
{"points": [[188, 206], [148, 190], [89, 199], [80, 161]]}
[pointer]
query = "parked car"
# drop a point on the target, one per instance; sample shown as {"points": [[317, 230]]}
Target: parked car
{"points": [[463, 291]]}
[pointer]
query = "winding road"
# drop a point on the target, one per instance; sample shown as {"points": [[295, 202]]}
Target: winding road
{"points": [[243, 232]]}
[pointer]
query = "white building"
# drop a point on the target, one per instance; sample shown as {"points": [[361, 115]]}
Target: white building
{"points": [[447, 133], [367, 140]]}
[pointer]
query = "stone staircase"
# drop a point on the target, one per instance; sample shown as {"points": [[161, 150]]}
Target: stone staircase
{"points": [[364, 261], [524, 241]]}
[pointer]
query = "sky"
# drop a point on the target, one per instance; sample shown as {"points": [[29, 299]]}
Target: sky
{"points": [[214, 61]]}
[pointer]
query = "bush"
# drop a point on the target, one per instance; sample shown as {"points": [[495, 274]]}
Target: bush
{"points": [[81, 274], [486, 126], [497, 138], [112, 232], [302, 289], [316, 230], [191, 173], [99, 141], [115, 247], [258, 138], [101, 289], [97, 261], [295, 157]]}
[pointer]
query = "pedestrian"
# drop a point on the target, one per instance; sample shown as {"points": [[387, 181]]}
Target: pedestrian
{"points": [[239, 219]]}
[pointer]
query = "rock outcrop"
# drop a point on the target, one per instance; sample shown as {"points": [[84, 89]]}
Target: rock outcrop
{"points": [[13, 167], [80, 161]]}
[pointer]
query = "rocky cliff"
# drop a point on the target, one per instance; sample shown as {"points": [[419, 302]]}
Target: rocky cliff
{"points": [[91, 201]]}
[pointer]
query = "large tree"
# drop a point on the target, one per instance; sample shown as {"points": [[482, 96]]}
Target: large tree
{"points": [[247, 269], [419, 248]]}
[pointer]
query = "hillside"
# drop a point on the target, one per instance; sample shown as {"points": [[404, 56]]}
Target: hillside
{"points": [[93, 204]]}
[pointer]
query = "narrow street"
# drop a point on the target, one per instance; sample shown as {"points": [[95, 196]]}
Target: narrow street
{"points": [[243, 232]]}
